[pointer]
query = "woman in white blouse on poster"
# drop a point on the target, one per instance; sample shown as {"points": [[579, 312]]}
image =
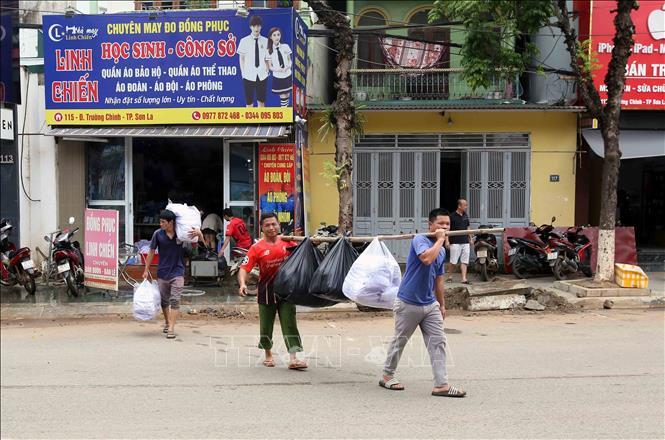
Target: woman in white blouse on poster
{"points": [[279, 62]]}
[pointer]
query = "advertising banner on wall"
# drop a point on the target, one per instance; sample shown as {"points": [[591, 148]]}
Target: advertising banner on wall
{"points": [[277, 182], [10, 77], [9, 162], [101, 248], [645, 72], [300, 67], [168, 67]]}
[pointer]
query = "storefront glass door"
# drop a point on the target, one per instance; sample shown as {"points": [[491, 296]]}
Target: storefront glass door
{"points": [[109, 179], [240, 182]]}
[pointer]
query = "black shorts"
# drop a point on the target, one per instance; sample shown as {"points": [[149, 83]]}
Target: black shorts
{"points": [[258, 87]]}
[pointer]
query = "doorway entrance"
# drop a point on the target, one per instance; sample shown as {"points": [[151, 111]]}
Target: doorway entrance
{"points": [[183, 170]]}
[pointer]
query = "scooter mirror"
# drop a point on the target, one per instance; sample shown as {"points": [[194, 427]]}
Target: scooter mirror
{"points": [[553, 219], [46, 239], [72, 220]]}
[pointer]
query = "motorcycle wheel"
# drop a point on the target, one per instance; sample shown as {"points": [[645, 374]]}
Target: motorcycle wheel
{"points": [[586, 265], [519, 271], [29, 285], [72, 288], [482, 270], [558, 269]]}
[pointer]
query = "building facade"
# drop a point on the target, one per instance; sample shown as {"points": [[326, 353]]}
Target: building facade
{"points": [[430, 139], [641, 187]]}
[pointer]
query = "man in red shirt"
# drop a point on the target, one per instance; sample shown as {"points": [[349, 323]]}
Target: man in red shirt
{"points": [[236, 230], [269, 253]]}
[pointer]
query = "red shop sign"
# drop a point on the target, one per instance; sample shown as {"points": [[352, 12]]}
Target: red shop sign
{"points": [[645, 72]]}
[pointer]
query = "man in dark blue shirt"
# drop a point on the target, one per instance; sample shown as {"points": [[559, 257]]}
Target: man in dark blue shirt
{"points": [[460, 247], [170, 269], [420, 302]]}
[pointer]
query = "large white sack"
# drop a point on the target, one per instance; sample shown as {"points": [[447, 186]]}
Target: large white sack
{"points": [[147, 301], [374, 278], [186, 218]]}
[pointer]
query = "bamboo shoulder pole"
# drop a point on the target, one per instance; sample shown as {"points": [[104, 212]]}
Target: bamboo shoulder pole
{"points": [[394, 237]]}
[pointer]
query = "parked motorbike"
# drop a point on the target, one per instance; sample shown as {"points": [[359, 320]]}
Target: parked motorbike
{"points": [[17, 265], [533, 256], [237, 259], [68, 258], [574, 253], [484, 245]]}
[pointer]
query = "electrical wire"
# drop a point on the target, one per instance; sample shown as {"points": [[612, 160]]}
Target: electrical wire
{"points": [[213, 13], [368, 61], [25, 114]]}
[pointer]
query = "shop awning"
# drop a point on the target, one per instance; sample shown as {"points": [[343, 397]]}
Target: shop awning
{"points": [[225, 131], [634, 144]]}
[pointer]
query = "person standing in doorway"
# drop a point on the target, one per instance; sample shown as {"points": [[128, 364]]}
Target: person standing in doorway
{"points": [[253, 50], [460, 247], [171, 267], [236, 230], [279, 63], [269, 253], [211, 226], [420, 302]]}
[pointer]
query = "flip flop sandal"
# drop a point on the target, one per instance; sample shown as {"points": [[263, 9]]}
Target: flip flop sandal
{"points": [[166, 329], [467, 282], [390, 385], [298, 365], [450, 392], [170, 335], [268, 363]]}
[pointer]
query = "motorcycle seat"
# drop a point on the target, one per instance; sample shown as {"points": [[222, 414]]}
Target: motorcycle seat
{"points": [[527, 240]]}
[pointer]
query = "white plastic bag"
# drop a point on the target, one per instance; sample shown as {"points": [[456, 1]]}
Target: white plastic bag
{"points": [[186, 218], [147, 300], [374, 278]]}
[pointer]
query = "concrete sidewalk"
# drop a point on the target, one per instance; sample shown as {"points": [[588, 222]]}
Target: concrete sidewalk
{"points": [[220, 303]]}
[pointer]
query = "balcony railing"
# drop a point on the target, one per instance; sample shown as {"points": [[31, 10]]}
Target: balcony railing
{"points": [[420, 84]]}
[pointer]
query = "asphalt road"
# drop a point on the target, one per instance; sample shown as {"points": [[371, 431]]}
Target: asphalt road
{"points": [[587, 375]]}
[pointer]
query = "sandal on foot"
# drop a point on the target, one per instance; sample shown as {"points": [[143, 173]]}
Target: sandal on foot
{"points": [[268, 363], [391, 384], [450, 392], [166, 329], [170, 335], [297, 365]]}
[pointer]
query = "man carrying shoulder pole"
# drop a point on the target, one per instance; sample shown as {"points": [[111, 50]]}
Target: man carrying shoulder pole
{"points": [[420, 303]]}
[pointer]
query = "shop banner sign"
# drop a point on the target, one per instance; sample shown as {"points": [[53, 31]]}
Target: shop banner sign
{"points": [[645, 71], [189, 67], [300, 67], [101, 248], [9, 52], [277, 184]]}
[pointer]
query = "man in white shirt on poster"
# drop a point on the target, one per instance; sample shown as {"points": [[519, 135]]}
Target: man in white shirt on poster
{"points": [[253, 51]]}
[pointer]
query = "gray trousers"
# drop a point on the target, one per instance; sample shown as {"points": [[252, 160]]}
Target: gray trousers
{"points": [[407, 318], [170, 291]]}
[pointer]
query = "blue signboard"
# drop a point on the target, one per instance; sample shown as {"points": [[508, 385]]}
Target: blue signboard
{"points": [[193, 67], [300, 66], [9, 54]]}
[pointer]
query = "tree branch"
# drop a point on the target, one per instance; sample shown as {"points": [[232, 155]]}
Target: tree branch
{"points": [[587, 89], [623, 43]]}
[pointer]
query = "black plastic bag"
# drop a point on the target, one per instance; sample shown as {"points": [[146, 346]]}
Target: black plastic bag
{"points": [[328, 279], [293, 278]]}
